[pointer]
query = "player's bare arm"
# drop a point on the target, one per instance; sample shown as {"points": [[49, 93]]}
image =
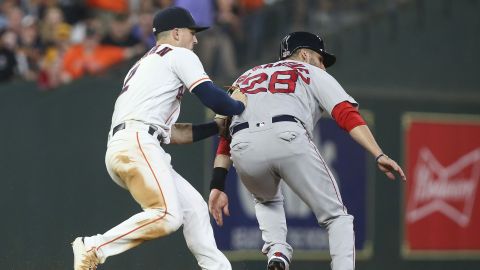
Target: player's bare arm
{"points": [[218, 199], [181, 133], [185, 133], [348, 118], [362, 135]]}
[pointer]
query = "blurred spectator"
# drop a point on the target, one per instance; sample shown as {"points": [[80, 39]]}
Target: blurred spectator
{"points": [[90, 57], [8, 62], [253, 23], [51, 64], [216, 46], [143, 29], [203, 11], [52, 20], [120, 32], [160, 4], [14, 17], [29, 49], [74, 10], [228, 19], [3, 18]]}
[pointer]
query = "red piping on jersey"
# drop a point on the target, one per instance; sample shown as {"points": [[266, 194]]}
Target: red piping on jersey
{"points": [[328, 172], [197, 82], [347, 116], [154, 220], [223, 147]]}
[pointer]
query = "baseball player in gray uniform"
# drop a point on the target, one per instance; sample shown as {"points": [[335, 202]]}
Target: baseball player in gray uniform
{"points": [[272, 142], [144, 119]]}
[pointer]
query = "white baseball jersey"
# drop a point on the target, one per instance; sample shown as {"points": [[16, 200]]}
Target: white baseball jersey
{"points": [[289, 87], [154, 86], [135, 160]]}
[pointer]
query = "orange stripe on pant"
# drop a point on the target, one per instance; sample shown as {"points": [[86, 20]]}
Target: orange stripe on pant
{"points": [[161, 192]]}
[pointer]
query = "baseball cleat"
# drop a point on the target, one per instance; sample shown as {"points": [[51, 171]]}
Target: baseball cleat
{"points": [[83, 259], [278, 262]]}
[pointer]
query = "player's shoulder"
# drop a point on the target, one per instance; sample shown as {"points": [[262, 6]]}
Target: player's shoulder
{"points": [[182, 52], [167, 50]]}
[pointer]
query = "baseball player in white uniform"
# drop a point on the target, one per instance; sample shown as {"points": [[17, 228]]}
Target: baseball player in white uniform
{"points": [[144, 118], [272, 141]]}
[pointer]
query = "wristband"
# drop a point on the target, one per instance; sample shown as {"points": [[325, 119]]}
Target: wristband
{"points": [[379, 156], [218, 178], [202, 131]]}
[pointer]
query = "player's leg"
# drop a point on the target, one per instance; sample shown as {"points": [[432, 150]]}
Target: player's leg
{"points": [[197, 228], [273, 224], [308, 175], [260, 179], [136, 162]]}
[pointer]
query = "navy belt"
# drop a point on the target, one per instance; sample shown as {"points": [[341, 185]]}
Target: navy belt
{"points": [[151, 131], [277, 118]]}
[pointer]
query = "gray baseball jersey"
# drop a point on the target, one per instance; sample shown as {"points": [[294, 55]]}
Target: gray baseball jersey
{"points": [[292, 88], [285, 100]]}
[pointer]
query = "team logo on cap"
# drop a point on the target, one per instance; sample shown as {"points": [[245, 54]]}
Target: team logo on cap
{"points": [[447, 190]]}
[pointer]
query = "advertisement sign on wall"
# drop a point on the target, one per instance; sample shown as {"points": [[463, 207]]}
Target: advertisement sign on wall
{"points": [[442, 204]]}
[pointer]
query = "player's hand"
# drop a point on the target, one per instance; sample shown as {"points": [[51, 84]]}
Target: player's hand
{"points": [[236, 94], [223, 123], [389, 166], [218, 205]]}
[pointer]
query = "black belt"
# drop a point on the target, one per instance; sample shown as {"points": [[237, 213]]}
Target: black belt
{"points": [[278, 118], [151, 131]]}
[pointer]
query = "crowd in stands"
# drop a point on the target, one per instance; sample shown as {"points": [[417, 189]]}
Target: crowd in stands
{"points": [[53, 42]]}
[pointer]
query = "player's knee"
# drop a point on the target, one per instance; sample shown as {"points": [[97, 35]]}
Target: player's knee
{"points": [[340, 220], [173, 223], [162, 224], [219, 262], [224, 264]]}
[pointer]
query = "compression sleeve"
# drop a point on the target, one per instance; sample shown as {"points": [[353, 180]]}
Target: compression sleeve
{"points": [[347, 116], [217, 99], [223, 147]]}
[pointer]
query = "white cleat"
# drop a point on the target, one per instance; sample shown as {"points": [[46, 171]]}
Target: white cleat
{"points": [[83, 259]]}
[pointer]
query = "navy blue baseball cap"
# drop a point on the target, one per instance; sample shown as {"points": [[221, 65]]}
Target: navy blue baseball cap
{"points": [[175, 17]]}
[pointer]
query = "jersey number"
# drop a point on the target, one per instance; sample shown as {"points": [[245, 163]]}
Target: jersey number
{"points": [[282, 81], [132, 71], [129, 76]]}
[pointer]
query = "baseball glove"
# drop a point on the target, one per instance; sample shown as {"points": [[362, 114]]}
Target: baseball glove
{"points": [[232, 89], [224, 125]]}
